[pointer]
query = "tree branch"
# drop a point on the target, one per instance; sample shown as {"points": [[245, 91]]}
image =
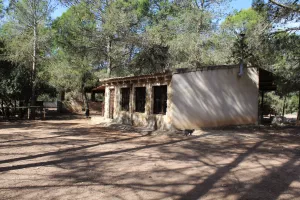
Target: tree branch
{"points": [[297, 9], [286, 30]]}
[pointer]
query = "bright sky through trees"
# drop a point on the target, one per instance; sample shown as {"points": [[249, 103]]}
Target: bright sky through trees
{"points": [[235, 4]]}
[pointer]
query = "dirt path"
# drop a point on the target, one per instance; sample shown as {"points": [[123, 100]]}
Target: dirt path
{"points": [[74, 160]]}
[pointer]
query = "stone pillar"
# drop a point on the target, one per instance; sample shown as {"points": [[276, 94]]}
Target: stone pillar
{"points": [[117, 100], [148, 103], [106, 102], [168, 119]]}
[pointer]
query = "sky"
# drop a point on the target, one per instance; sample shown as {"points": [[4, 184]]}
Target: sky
{"points": [[58, 11], [241, 4], [235, 4]]}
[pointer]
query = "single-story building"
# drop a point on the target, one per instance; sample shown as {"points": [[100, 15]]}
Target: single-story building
{"points": [[186, 98]]}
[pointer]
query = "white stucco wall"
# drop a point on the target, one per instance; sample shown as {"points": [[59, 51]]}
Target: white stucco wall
{"points": [[214, 98]]}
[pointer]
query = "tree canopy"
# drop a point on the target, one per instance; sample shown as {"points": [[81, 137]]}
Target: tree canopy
{"points": [[97, 39]]}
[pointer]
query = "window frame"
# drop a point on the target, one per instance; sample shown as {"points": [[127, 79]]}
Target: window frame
{"points": [[160, 103], [125, 102], [140, 99]]}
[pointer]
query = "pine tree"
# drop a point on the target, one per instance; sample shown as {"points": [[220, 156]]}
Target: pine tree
{"points": [[25, 35]]}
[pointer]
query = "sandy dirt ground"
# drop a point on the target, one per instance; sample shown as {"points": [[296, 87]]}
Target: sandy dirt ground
{"points": [[72, 159]]}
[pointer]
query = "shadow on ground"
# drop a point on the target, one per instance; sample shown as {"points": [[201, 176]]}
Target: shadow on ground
{"points": [[71, 159]]}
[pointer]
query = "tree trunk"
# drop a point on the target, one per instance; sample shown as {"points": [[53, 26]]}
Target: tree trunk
{"points": [[108, 49], [262, 107], [84, 95], [283, 108], [298, 116], [62, 95], [86, 103], [2, 107], [200, 24], [33, 89], [15, 108]]}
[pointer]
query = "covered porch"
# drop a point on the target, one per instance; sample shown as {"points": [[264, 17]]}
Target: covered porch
{"points": [[266, 84]]}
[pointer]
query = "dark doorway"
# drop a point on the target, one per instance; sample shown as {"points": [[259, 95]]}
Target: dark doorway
{"points": [[140, 99], [125, 98], [160, 99]]}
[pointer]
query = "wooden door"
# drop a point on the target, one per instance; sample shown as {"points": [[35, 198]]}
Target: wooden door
{"points": [[111, 103]]}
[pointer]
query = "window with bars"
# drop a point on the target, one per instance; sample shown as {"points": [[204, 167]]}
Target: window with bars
{"points": [[140, 99], [125, 97], [160, 99]]}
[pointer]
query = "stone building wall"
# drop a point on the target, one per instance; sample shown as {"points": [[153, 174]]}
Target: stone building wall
{"points": [[106, 102], [196, 99], [146, 119]]}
